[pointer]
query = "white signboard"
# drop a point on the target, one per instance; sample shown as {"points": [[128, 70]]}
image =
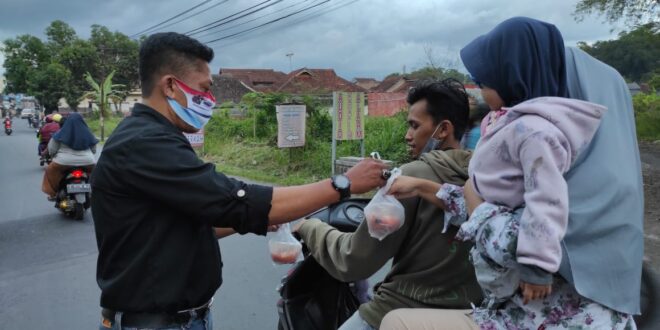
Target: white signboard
{"points": [[291, 120], [196, 139]]}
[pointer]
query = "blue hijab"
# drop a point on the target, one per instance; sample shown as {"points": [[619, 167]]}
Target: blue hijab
{"points": [[75, 133], [521, 59], [604, 243]]}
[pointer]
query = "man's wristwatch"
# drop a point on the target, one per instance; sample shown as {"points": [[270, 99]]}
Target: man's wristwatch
{"points": [[342, 184]]}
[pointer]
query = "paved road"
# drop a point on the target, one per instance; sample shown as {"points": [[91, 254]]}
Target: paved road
{"points": [[48, 262]]}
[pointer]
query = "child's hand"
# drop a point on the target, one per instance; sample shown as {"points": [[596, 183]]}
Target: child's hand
{"points": [[533, 291], [404, 187]]}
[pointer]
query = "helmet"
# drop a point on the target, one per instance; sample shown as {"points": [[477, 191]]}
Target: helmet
{"points": [[49, 118], [57, 117]]}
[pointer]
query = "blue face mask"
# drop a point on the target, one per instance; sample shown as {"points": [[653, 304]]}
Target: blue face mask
{"points": [[432, 143], [200, 106]]}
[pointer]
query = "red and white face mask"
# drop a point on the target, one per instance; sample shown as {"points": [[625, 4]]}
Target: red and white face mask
{"points": [[199, 109]]}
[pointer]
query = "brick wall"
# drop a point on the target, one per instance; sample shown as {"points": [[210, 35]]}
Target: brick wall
{"points": [[386, 104]]}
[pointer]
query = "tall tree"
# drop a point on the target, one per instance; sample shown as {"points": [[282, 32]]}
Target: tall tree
{"points": [[74, 54], [438, 73], [635, 54], [116, 52], [49, 85], [78, 57], [60, 34], [28, 60], [634, 12], [24, 55]]}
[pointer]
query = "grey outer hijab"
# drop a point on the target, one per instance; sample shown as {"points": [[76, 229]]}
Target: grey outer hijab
{"points": [[604, 243]]}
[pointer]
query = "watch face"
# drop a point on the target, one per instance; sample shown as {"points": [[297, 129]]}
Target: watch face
{"points": [[341, 182]]}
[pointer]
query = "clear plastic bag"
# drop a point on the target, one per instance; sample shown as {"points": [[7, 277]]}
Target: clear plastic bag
{"points": [[384, 213], [284, 248]]}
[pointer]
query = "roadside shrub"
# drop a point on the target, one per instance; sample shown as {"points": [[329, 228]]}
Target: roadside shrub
{"points": [[647, 116]]}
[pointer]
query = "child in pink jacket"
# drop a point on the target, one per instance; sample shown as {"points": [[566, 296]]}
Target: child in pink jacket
{"points": [[518, 171]]}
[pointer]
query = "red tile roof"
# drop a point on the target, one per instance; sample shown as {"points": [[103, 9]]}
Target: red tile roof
{"points": [[261, 80], [228, 89], [316, 81], [367, 83], [395, 84]]}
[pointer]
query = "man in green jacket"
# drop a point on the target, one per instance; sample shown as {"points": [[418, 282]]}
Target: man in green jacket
{"points": [[430, 269]]}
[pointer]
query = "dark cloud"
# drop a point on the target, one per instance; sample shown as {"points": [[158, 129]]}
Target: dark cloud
{"points": [[367, 38]]}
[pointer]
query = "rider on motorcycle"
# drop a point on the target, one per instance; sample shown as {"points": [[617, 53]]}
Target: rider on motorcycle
{"points": [[73, 146], [46, 132]]}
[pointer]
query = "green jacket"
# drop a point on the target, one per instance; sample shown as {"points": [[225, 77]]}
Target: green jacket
{"points": [[429, 269]]}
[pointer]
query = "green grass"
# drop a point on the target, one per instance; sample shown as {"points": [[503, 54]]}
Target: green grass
{"points": [[110, 125], [648, 125], [647, 116], [229, 143]]}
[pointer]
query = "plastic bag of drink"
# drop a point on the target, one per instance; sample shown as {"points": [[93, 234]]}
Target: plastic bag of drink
{"points": [[384, 213], [284, 248]]}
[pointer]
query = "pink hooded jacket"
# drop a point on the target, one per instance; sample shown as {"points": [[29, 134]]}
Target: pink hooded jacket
{"points": [[520, 162]]}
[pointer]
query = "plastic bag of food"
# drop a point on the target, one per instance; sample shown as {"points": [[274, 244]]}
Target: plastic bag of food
{"points": [[284, 248], [384, 213]]}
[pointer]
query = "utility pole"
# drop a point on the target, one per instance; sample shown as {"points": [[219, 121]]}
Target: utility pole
{"points": [[290, 55]]}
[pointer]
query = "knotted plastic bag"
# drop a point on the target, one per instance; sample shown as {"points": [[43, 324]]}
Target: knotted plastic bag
{"points": [[284, 248], [384, 213]]}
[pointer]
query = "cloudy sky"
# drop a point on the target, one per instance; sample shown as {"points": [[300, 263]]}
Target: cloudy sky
{"points": [[363, 38]]}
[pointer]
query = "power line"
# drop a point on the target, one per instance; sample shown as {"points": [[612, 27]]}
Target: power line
{"points": [[193, 15], [171, 18], [302, 19], [211, 25], [320, 12], [250, 21], [267, 23], [237, 18]]}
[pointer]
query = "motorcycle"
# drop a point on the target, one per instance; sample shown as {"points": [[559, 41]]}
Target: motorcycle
{"points": [[310, 297], [73, 196], [45, 158], [8, 129], [33, 121]]}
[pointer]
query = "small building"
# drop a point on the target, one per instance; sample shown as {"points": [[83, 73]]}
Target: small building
{"points": [[316, 81], [634, 88], [259, 80], [228, 89], [87, 104], [366, 83], [395, 84]]}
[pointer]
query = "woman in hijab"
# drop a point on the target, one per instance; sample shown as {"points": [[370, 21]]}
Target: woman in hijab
{"points": [[603, 258], [522, 59], [73, 145]]}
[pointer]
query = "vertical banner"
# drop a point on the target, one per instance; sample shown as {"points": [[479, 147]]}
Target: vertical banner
{"points": [[196, 139], [349, 115], [347, 120], [291, 120]]}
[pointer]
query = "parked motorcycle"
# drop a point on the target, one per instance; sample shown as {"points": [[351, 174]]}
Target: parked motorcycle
{"points": [[73, 196], [8, 129], [312, 299]]}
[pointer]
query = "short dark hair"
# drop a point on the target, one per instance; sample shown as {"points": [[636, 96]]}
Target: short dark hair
{"points": [[169, 52], [446, 100]]}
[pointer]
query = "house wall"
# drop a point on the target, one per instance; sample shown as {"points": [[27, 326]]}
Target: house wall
{"points": [[386, 104], [124, 107]]}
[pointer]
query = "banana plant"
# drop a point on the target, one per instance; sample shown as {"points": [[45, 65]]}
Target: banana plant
{"points": [[102, 93]]}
